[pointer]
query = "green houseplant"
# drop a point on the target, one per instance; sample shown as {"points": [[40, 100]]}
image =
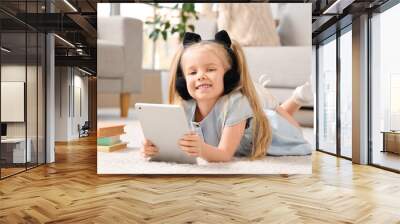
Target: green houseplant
{"points": [[161, 26]]}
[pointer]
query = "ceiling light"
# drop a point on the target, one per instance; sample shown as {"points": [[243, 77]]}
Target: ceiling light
{"points": [[80, 51], [338, 6], [70, 5], [5, 50], [84, 71], [65, 41]]}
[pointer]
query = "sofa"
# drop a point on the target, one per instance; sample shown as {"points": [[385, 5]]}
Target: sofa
{"points": [[287, 66], [119, 58]]}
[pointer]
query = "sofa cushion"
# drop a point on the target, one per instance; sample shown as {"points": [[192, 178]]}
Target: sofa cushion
{"points": [[105, 66], [286, 67]]}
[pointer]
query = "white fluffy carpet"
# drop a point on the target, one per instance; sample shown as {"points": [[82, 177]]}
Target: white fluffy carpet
{"points": [[129, 161]]}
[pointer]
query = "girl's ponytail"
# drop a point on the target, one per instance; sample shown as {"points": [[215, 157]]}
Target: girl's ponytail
{"points": [[262, 134], [262, 131], [173, 96]]}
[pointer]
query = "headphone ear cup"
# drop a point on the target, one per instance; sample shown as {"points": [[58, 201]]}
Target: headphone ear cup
{"points": [[180, 86], [231, 80]]}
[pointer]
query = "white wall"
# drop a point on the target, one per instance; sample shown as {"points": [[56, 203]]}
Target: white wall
{"points": [[14, 73], [62, 81], [12, 100], [80, 84], [68, 83]]}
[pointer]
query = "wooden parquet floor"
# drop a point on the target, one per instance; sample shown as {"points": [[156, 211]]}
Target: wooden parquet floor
{"points": [[70, 191]]}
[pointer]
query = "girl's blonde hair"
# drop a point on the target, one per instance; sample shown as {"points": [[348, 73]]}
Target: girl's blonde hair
{"points": [[262, 131]]}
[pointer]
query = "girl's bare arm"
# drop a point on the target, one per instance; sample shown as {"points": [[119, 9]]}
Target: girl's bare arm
{"points": [[228, 144]]}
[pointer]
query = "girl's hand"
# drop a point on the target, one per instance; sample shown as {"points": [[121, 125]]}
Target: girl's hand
{"points": [[192, 144], [149, 149]]}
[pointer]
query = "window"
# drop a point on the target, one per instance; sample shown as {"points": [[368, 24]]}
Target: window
{"points": [[335, 73], [327, 96], [385, 88], [103, 10], [144, 12], [346, 93], [159, 54]]}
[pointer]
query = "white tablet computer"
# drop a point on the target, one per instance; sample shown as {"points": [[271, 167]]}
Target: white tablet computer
{"points": [[164, 125]]}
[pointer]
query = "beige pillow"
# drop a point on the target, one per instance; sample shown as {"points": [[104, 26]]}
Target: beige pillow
{"points": [[251, 24]]}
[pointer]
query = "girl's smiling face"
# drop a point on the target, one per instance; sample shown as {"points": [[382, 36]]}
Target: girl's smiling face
{"points": [[204, 72]]}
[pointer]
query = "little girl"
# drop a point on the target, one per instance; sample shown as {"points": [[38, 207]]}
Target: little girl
{"points": [[210, 79]]}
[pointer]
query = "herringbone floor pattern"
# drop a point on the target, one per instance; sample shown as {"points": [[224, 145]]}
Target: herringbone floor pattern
{"points": [[70, 191]]}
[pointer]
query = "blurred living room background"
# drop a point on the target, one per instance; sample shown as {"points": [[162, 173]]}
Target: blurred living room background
{"points": [[277, 43]]}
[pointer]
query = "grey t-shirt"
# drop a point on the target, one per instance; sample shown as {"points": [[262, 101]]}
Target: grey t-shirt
{"points": [[233, 108], [229, 110]]}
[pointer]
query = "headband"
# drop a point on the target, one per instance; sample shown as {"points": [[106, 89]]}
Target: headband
{"points": [[221, 37]]}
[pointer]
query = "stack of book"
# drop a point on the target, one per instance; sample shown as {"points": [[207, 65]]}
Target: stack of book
{"points": [[108, 138]]}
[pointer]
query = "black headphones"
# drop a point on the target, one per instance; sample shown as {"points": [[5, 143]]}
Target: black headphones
{"points": [[231, 77]]}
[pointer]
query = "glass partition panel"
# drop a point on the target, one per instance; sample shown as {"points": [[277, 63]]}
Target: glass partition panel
{"points": [[31, 98], [22, 88], [41, 98], [13, 92]]}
